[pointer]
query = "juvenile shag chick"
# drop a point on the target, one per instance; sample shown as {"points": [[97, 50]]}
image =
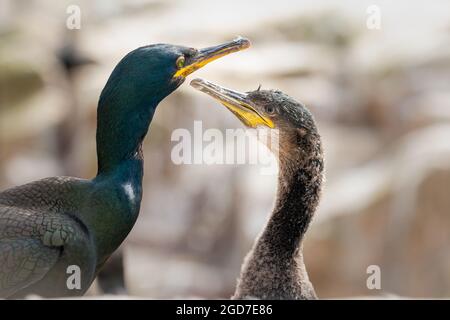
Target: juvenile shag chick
{"points": [[52, 228], [274, 268]]}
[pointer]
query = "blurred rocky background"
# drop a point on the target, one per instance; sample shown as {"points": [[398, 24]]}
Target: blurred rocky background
{"points": [[381, 98]]}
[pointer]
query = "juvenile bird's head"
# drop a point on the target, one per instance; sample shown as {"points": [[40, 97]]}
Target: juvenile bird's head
{"points": [[294, 124]]}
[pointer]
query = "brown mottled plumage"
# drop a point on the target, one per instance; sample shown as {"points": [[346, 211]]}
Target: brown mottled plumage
{"points": [[274, 268]]}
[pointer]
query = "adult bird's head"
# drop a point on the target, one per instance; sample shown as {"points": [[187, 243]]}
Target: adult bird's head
{"points": [[152, 72], [142, 79], [294, 125]]}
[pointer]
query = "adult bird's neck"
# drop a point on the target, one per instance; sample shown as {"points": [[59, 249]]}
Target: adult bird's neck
{"points": [[119, 137], [120, 133]]}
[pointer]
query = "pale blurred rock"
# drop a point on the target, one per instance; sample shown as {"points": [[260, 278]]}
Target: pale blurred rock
{"points": [[396, 216]]}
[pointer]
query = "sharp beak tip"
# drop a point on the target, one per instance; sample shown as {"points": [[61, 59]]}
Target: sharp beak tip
{"points": [[243, 42], [197, 83]]}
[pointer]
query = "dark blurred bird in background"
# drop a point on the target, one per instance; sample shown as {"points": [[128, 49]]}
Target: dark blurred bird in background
{"points": [[111, 278]]}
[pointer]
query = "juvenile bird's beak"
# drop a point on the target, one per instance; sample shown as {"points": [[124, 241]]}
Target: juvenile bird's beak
{"points": [[238, 103], [209, 54]]}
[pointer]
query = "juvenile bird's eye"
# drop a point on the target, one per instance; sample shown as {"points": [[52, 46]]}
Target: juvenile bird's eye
{"points": [[270, 109], [180, 62]]}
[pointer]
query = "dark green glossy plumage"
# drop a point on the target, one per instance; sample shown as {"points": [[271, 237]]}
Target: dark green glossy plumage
{"points": [[47, 225]]}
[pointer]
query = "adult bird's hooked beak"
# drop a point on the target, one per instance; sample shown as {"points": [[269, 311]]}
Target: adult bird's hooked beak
{"points": [[238, 103], [206, 55]]}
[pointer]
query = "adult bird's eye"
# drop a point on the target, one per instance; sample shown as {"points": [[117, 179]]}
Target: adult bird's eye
{"points": [[180, 62]]}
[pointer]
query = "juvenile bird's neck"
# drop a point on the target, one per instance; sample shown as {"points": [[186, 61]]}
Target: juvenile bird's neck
{"points": [[274, 269], [299, 187]]}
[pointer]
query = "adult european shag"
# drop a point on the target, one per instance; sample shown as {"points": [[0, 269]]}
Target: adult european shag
{"points": [[52, 228], [274, 268]]}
